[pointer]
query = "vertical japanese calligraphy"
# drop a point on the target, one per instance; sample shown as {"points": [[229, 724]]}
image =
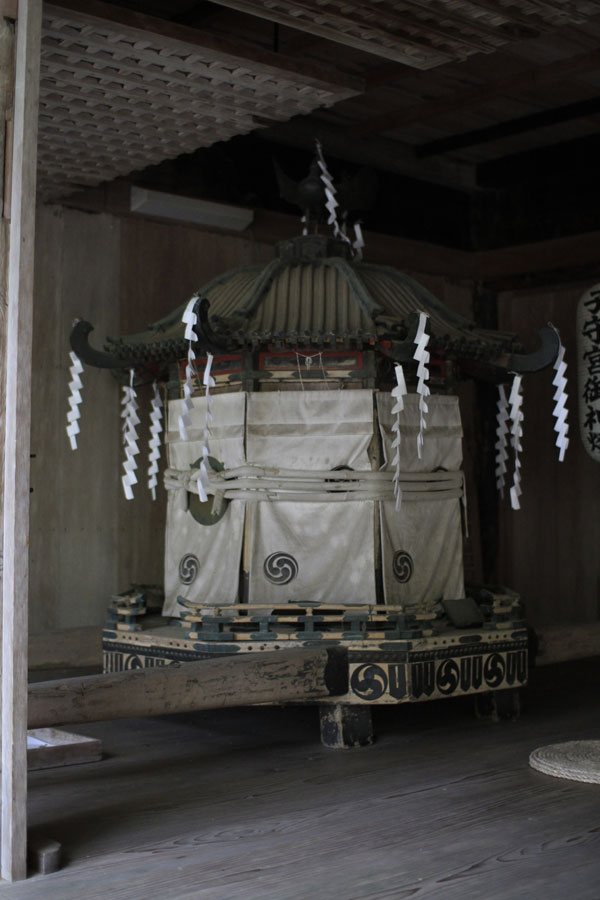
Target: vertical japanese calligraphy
{"points": [[588, 340]]}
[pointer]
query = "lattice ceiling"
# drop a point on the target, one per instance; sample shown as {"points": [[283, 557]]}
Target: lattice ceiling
{"points": [[115, 98], [421, 33]]}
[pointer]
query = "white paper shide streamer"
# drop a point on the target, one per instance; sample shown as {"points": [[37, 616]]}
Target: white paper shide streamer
{"points": [[130, 437], [189, 319], [560, 411], [75, 388], [154, 443], [515, 401], [398, 394], [359, 242], [421, 355], [331, 203], [208, 382], [501, 438]]}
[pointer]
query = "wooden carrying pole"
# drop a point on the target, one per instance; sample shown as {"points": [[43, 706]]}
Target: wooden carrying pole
{"points": [[275, 676], [17, 438]]}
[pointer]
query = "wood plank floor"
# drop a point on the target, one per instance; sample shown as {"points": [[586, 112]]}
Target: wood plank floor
{"points": [[247, 805]]}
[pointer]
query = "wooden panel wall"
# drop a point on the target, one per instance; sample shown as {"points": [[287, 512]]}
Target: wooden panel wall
{"points": [[549, 549], [87, 541], [74, 503]]}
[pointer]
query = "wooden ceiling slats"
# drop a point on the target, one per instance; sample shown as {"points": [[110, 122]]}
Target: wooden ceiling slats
{"points": [[416, 26], [353, 31], [435, 23], [139, 27], [152, 89], [115, 98], [122, 90]]}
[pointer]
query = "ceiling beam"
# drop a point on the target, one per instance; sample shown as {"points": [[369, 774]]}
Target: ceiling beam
{"points": [[544, 119], [389, 156], [95, 12], [530, 80]]}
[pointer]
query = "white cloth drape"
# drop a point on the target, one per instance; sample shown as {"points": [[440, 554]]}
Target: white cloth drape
{"points": [[315, 551], [331, 545], [202, 562], [421, 546]]}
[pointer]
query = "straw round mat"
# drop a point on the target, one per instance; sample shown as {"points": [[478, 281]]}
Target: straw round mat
{"points": [[577, 760]]}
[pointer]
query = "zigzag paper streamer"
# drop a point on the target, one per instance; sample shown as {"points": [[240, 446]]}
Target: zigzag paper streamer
{"points": [[421, 354], [75, 388], [331, 203], [502, 438], [154, 443], [208, 382], [189, 318], [515, 401], [359, 242], [560, 411], [124, 402], [398, 394], [130, 437]]}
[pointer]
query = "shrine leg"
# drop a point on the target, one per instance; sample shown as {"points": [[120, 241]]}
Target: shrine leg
{"points": [[499, 705], [344, 726]]}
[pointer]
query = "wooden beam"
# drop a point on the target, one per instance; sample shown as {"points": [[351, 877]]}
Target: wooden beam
{"points": [[140, 26], [277, 676], [530, 266], [544, 119], [529, 80], [16, 461], [69, 648], [560, 643], [387, 155]]}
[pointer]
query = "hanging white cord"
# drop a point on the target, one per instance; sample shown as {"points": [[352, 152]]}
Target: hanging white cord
{"points": [[501, 438], [189, 318], [398, 393], [308, 361], [421, 354], [75, 388], [154, 443], [516, 417], [130, 438], [560, 411]]}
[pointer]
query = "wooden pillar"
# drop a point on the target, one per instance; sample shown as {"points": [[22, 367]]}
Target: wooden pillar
{"points": [[7, 34], [485, 305], [17, 437]]}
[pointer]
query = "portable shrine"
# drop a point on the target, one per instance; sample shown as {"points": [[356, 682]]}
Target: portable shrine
{"points": [[314, 479]]}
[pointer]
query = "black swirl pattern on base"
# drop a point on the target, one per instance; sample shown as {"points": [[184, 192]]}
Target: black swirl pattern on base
{"points": [[280, 568], [189, 567], [402, 566]]}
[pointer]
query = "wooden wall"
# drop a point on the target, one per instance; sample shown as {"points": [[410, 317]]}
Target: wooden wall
{"points": [[550, 548], [74, 500]]}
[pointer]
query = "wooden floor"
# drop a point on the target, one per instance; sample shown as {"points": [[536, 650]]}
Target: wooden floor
{"points": [[247, 805]]}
